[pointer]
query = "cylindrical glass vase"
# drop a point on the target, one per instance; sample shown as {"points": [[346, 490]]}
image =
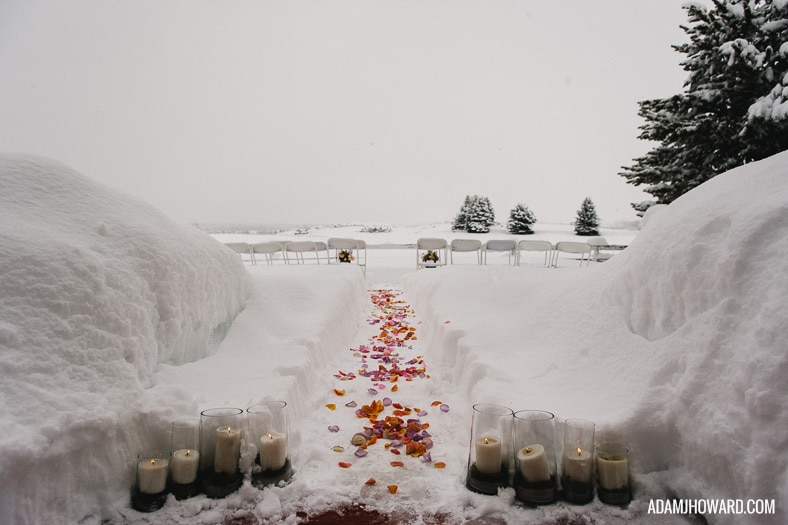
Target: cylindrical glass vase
{"points": [[185, 458], [268, 430], [490, 448], [577, 465], [150, 484], [612, 470], [535, 479], [220, 451]]}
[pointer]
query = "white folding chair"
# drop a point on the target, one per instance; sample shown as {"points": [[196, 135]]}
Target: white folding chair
{"points": [[322, 247], [535, 246], [581, 248], [268, 250], [500, 246], [466, 245], [356, 248], [598, 243], [361, 254], [242, 248], [425, 246], [295, 250]]}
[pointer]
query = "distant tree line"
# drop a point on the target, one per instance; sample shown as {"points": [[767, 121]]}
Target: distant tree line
{"points": [[476, 215]]}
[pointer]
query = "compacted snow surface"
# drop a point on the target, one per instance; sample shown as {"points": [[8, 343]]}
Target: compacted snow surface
{"points": [[115, 322]]}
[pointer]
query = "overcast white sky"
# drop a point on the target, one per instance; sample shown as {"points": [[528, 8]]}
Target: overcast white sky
{"points": [[380, 112]]}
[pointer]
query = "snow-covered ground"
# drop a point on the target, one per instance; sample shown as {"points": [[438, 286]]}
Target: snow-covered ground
{"points": [[115, 322]]}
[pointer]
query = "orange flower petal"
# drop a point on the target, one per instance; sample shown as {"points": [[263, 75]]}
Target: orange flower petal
{"points": [[439, 464], [370, 481], [397, 464], [395, 451], [344, 464], [339, 392], [395, 388], [393, 489], [331, 406]]}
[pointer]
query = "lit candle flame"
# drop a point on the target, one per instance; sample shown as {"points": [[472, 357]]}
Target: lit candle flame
{"points": [[486, 441], [528, 450], [188, 452], [270, 436], [229, 430], [579, 451], [153, 462]]}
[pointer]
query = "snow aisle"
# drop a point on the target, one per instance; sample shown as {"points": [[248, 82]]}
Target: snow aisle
{"points": [[379, 396]]}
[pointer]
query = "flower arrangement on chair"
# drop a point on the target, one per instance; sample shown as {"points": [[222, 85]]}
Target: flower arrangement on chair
{"points": [[430, 257], [345, 256]]}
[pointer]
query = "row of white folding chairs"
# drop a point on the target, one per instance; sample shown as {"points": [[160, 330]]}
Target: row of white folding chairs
{"points": [[292, 252], [511, 247], [301, 252]]}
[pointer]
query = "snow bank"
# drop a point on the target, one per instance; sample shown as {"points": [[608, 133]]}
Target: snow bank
{"points": [[706, 282], [95, 291]]}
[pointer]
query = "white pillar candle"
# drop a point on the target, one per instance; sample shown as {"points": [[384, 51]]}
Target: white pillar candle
{"points": [[613, 472], [185, 463], [273, 451], [152, 475], [488, 455], [577, 465], [533, 463], [228, 449]]}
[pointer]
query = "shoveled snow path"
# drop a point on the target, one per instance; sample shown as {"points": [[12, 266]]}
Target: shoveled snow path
{"points": [[418, 482]]}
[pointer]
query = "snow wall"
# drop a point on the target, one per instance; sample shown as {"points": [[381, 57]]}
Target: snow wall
{"points": [[95, 291], [706, 282]]}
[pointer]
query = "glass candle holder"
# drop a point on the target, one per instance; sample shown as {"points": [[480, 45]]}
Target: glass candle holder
{"points": [[150, 484], [612, 469], [490, 448], [576, 479], [535, 479], [268, 429], [185, 458], [220, 451]]}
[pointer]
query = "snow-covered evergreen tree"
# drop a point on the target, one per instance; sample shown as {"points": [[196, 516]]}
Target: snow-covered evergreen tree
{"points": [[587, 222], [461, 219], [734, 108], [475, 216], [520, 220], [482, 216]]}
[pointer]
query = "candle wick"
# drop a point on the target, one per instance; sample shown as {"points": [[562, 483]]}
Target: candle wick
{"points": [[579, 451], [486, 442], [188, 452], [153, 462], [270, 436], [528, 450]]}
